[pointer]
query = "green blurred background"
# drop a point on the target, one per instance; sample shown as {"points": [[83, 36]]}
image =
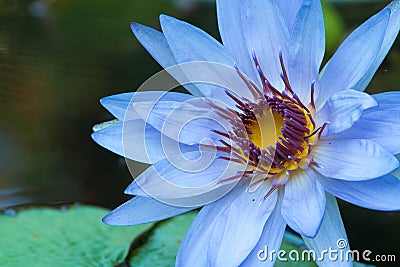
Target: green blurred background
{"points": [[59, 57]]}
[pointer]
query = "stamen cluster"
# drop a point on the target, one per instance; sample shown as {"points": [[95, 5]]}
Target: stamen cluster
{"points": [[293, 139]]}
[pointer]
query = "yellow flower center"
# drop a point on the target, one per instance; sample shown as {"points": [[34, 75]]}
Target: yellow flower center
{"points": [[273, 134]]}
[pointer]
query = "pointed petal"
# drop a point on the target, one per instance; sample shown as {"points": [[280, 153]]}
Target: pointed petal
{"points": [[143, 143], [175, 178], [189, 122], [232, 35], [382, 193], [306, 48], [266, 33], [270, 239], [331, 235], [135, 189], [157, 46], [155, 43], [380, 124], [289, 9], [141, 210], [186, 174], [342, 110], [303, 195], [118, 104], [354, 57], [111, 138], [390, 36], [191, 44], [239, 228], [192, 199], [353, 159]]}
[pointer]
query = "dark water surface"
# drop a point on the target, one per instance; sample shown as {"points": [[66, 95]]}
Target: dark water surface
{"points": [[58, 58]]}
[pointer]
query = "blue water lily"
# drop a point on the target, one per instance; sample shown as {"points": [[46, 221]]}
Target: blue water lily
{"points": [[296, 136]]}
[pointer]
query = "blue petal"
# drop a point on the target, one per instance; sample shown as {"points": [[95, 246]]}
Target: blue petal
{"points": [[270, 239], [239, 228], [232, 35], [331, 234], [157, 46], [289, 10], [110, 138], [306, 48], [353, 159], [141, 210], [184, 177], [118, 104], [266, 33], [191, 44], [185, 197], [343, 109], [135, 189], [390, 36], [382, 193], [189, 122], [354, 57], [388, 100], [143, 143], [303, 195], [155, 43], [380, 124], [237, 213], [193, 249]]}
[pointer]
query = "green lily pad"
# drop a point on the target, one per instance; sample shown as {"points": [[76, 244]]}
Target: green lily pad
{"points": [[63, 237], [163, 244], [76, 236], [397, 171]]}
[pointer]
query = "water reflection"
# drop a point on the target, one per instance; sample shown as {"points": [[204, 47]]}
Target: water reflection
{"points": [[13, 197]]}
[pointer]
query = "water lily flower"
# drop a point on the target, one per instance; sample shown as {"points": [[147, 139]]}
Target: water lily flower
{"points": [[326, 139]]}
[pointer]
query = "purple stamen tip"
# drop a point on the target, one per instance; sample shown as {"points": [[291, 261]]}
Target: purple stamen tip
{"points": [[253, 53]]}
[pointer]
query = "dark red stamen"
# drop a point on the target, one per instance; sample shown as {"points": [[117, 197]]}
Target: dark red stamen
{"points": [[312, 94], [291, 142]]}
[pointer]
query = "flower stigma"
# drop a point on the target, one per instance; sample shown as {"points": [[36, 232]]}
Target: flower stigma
{"points": [[273, 134]]}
